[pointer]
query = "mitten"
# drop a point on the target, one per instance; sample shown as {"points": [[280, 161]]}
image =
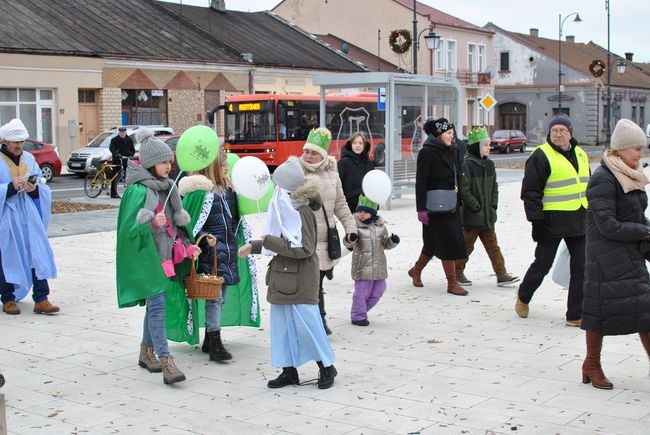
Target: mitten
{"points": [[539, 230], [394, 238], [190, 250], [423, 217]]}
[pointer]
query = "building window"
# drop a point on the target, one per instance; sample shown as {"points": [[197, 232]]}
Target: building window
{"points": [[451, 56], [34, 107], [86, 96], [504, 65], [471, 55], [481, 58], [144, 107], [440, 56], [634, 113], [641, 115]]}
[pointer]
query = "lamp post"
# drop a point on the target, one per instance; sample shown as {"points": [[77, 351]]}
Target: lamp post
{"points": [[559, 49], [432, 39], [620, 68]]}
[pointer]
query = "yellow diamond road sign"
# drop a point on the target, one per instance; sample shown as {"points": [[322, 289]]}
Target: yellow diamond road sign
{"points": [[488, 102]]}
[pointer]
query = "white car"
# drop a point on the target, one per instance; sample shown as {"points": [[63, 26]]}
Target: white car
{"points": [[80, 159]]}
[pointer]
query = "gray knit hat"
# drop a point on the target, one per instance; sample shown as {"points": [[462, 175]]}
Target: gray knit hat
{"points": [[152, 150], [627, 135], [289, 175]]}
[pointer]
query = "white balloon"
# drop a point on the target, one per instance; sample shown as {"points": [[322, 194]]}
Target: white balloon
{"points": [[251, 177], [376, 186]]}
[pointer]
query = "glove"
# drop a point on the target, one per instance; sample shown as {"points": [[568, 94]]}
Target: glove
{"points": [[423, 217], [539, 230], [353, 237], [394, 238]]}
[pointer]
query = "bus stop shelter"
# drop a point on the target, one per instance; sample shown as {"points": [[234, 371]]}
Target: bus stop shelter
{"points": [[435, 96]]}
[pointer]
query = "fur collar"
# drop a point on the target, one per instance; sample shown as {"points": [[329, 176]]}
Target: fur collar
{"points": [[309, 192], [193, 183]]}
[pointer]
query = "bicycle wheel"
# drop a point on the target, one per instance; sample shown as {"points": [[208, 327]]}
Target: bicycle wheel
{"points": [[94, 183], [121, 184]]}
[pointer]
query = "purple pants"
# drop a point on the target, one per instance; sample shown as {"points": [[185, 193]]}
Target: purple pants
{"points": [[366, 295]]}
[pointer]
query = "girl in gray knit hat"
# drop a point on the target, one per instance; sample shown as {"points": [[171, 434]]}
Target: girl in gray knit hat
{"points": [[150, 239]]}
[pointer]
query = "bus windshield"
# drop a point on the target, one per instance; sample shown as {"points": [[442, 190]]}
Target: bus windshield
{"points": [[250, 122]]}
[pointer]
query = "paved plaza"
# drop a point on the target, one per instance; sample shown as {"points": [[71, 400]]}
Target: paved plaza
{"points": [[429, 363]]}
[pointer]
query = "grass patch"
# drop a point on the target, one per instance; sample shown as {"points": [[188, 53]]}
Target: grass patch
{"points": [[73, 207]]}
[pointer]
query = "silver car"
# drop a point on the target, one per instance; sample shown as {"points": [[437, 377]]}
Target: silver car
{"points": [[80, 159]]}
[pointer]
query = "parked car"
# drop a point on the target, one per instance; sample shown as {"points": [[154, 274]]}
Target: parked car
{"points": [[505, 141], [46, 157], [80, 159]]}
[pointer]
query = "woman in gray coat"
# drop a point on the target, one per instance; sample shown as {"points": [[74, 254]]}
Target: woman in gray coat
{"points": [[617, 285]]}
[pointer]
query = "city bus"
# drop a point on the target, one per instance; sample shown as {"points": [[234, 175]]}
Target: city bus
{"points": [[273, 127]]}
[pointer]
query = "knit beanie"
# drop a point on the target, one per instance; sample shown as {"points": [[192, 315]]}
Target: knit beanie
{"points": [[319, 140], [436, 127], [627, 135], [152, 150], [561, 119], [289, 175], [365, 204]]}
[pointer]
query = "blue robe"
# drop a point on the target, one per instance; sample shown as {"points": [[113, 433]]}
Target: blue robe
{"points": [[23, 238]]}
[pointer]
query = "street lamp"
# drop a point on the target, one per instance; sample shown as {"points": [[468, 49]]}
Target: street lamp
{"points": [[620, 68], [559, 47], [431, 39]]}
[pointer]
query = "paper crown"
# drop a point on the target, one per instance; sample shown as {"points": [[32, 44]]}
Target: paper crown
{"points": [[478, 135], [366, 203], [319, 139]]}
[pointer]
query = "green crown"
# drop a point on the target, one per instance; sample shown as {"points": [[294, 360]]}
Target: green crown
{"points": [[320, 137], [478, 135], [364, 201]]}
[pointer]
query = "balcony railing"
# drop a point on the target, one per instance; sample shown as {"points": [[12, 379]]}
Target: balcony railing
{"points": [[467, 77]]}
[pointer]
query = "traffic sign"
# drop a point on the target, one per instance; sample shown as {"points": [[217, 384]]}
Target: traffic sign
{"points": [[488, 102]]}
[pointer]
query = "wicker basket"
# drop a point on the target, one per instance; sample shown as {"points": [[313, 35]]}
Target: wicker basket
{"points": [[204, 287]]}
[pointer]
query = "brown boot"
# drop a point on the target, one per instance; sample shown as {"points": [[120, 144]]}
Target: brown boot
{"points": [[45, 307], [171, 374], [148, 360], [591, 369], [416, 271], [10, 308], [449, 266]]}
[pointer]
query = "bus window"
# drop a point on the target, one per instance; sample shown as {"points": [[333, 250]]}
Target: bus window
{"points": [[252, 122]]}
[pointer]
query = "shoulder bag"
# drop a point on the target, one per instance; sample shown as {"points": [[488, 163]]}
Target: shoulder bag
{"points": [[443, 201], [333, 239]]}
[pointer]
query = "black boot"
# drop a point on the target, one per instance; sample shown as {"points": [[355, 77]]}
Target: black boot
{"points": [[326, 375], [205, 347], [289, 376], [217, 351]]}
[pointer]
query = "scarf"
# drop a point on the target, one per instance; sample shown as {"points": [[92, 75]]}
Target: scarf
{"points": [[315, 167], [154, 186], [283, 220], [630, 179]]}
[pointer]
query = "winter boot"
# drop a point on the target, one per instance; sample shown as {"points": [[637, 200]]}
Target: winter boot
{"points": [[45, 307], [326, 375], [449, 266], [289, 376], [148, 360], [416, 271], [591, 369], [171, 374], [645, 339], [217, 351], [10, 307], [205, 347]]}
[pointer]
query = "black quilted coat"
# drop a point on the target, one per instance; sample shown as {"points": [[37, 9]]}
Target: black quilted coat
{"points": [[617, 285]]}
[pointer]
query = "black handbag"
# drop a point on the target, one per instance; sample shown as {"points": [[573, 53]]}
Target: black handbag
{"points": [[333, 240], [443, 201]]}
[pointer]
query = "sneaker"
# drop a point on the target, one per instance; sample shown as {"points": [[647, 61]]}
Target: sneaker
{"points": [[506, 280], [574, 323], [462, 279], [363, 322]]}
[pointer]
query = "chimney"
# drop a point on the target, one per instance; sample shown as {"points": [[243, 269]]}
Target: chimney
{"points": [[534, 32], [219, 5], [570, 38], [629, 56]]}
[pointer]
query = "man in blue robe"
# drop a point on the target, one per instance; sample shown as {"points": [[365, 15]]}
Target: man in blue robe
{"points": [[26, 258]]}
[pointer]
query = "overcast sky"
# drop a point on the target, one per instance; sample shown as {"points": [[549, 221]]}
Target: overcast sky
{"points": [[629, 24]]}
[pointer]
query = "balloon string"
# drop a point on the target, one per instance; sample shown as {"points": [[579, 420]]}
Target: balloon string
{"points": [[170, 190]]}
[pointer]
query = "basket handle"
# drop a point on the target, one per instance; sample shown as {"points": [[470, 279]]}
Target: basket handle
{"points": [[214, 255]]}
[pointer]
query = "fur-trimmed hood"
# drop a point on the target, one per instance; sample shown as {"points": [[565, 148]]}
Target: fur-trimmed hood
{"points": [[193, 183], [309, 193]]}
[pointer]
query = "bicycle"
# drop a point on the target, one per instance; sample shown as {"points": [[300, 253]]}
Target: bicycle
{"points": [[99, 180]]}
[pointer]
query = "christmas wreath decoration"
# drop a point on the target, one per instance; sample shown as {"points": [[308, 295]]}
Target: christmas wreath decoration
{"points": [[400, 41], [597, 68]]}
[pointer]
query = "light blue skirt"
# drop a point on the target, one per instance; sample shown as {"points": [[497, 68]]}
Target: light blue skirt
{"points": [[298, 336]]}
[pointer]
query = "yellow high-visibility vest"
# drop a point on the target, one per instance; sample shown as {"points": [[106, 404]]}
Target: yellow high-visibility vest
{"points": [[565, 188]]}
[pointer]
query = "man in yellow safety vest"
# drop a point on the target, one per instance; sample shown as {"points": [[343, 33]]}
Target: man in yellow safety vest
{"points": [[554, 194]]}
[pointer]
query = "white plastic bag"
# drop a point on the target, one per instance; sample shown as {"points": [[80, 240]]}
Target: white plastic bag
{"points": [[561, 266]]}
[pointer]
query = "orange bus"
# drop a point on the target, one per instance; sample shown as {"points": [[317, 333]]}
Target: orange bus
{"points": [[273, 127]]}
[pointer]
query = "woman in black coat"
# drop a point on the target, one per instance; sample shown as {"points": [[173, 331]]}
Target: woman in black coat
{"points": [[354, 164], [438, 167], [617, 285]]}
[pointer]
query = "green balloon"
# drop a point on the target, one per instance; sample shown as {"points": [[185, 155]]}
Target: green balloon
{"points": [[250, 206], [232, 159], [197, 148]]}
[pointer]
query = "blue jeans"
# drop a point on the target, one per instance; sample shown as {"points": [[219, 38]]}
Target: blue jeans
{"points": [[154, 333], [39, 293], [213, 312]]}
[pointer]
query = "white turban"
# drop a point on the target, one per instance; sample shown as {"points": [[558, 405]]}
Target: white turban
{"points": [[14, 131]]}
